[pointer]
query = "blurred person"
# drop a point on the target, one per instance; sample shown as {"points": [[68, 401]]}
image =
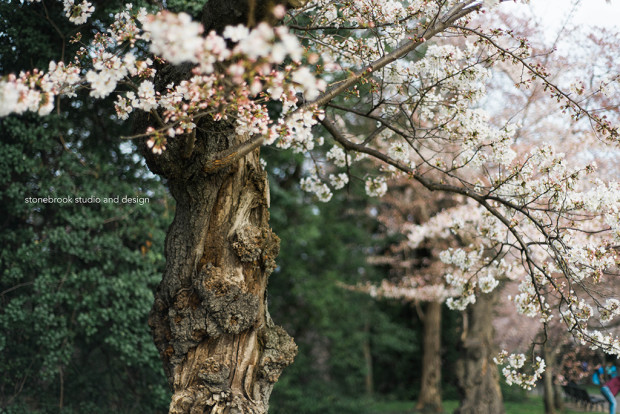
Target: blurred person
{"points": [[598, 377], [611, 371], [609, 391]]}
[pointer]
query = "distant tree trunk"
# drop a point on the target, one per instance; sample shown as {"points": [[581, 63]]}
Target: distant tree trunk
{"points": [[477, 376], [549, 392], [368, 379], [558, 397], [429, 400], [552, 396]]}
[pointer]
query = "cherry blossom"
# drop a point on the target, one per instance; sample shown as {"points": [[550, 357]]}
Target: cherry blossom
{"points": [[514, 369], [78, 13]]}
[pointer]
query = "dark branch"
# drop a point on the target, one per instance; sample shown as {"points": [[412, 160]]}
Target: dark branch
{"points": [[231, 155]]}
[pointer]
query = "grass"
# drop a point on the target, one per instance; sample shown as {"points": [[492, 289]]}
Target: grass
{"points": [[529, 405]]}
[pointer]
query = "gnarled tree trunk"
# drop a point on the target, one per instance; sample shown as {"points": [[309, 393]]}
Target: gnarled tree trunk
{"points": [[429, 400], [210, 319], [477, 376], [221, 351]]}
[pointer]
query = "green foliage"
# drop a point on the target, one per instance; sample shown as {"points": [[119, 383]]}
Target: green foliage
{"points": [[324, 247], [398, 352], [76, 280], [191, 7]]}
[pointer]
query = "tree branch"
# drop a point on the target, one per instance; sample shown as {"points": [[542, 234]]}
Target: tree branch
{"points": [[421, 36], [225, 158], [571, 103]]}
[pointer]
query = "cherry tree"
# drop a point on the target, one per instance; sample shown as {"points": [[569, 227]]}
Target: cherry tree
{"points": [[415, 274], [538, 118], [422, 224], [255, 73], [419, 275]]}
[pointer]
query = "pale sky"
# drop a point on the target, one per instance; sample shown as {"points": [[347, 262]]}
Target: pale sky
{"points": [[588, 12]]}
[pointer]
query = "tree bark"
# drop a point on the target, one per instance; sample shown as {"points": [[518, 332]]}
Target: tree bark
{"points": [[477, 376], [558, 397], [221, 351], [549, 392], [429, 400], [368, 376]]}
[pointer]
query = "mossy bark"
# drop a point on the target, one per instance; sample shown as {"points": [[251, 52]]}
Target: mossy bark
{"points": [[477, 374]]}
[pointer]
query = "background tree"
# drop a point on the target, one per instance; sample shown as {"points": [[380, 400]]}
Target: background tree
{"points": [[416, 275], [539, 119], [430, 233]]}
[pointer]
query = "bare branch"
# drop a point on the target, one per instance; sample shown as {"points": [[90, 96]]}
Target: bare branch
{"points": [[231, 155]]}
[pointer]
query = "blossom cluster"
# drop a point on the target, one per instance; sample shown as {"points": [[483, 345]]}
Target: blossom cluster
{"points": [[262, 64], [35, 91], [471, 266], [514, 367], [445, 88], [394, 21], [314, 185], [409, 289], [441, 89], [252, 70], [466, 264], [76, 13]]}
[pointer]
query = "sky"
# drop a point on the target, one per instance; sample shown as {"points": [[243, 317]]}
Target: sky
{"points": [[588, 12]]}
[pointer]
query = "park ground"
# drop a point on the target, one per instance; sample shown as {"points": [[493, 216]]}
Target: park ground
{"points": [[531, 403]]}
